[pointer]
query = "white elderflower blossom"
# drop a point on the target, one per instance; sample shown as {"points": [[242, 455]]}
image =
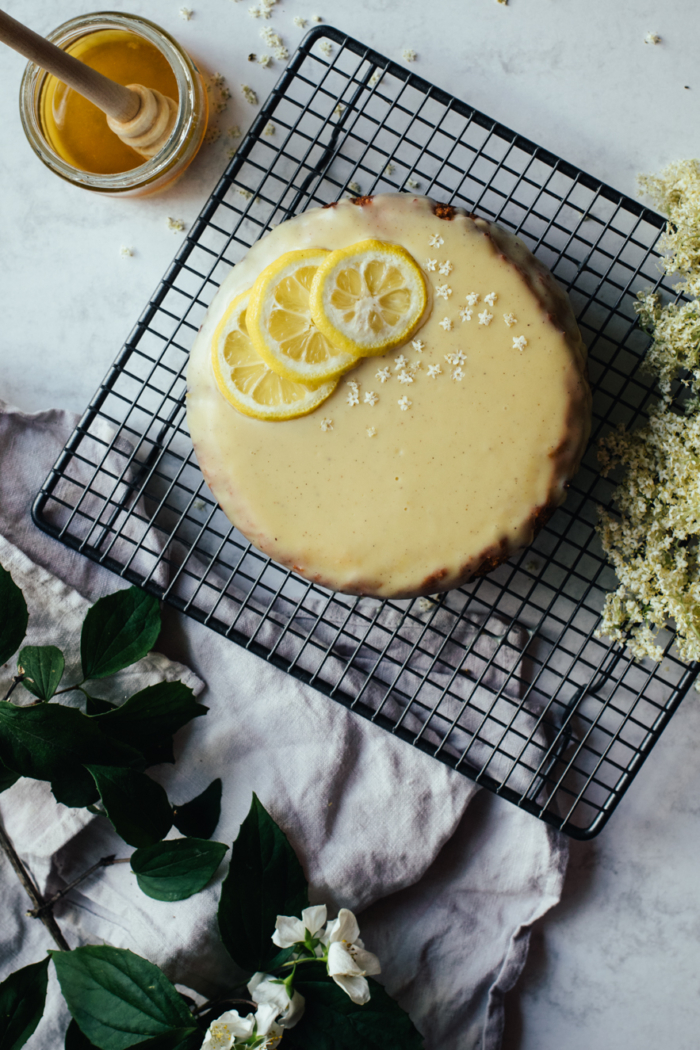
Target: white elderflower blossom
{"points": [[490, 299], [418, 345], [408, 54], [186, 13], [126, 252], [264, 61], [457, 374], [249, 95], [371, 398], [446, 268], [431, 264], [485, 318], [176, 225], [326, 48], [434, 371], [472, 298], [339, 110], [652, 38], [405, 377], [444, 291], [510, 320], [390, 168], [400, 362], [383, 374], [326, 424], [371, 432], [353, 398], [404, 404], [465, 313], [519, 343], [436, 241], [269, 128], [446, 324], [299, 21]]}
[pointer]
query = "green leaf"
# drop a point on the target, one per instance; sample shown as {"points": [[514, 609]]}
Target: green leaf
{"points": [[199, 817], [265, 880], [76, 1039], [8, 777], [149, 718], [137, 807], [42, 666], [118, 630], [119, 999], [331, 1020], [95, 706], [22, 998], [52, 742], [179, 868], [13, 616]]}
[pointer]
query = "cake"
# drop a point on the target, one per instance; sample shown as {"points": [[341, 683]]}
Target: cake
{"points": [[432, 463]]}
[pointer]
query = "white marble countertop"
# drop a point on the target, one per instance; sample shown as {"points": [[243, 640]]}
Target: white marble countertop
{"points": [[617, 964]]}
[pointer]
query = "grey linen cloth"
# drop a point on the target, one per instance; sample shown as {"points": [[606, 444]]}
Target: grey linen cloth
{"points": [[448, 883]]}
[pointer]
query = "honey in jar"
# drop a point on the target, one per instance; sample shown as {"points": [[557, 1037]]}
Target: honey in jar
{"points": [[75, 128]]}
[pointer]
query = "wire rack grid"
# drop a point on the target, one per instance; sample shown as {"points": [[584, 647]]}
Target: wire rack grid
{"points": [[504, 679]]}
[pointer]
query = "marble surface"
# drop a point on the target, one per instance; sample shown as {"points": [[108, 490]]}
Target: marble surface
{"points": [[617, 964]]}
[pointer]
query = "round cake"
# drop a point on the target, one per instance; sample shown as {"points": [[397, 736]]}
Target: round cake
{"points": [[432, 463]]}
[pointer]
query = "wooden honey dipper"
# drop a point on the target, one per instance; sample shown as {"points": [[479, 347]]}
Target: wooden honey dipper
{"points": [[142, 118]]}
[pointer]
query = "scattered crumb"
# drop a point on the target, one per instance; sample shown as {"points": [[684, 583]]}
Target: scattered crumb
{"points": [[176, 225], [269, 128], [339, 110], [425, 604], [316, 19], [234, 132], [326, 48], [412, 184], [408, 54], [245, 193], [252, 56], [299, 21], [231, 153], [375, 78], [220, 105], [371, 431], [125, 252], [217, 80], [532, 565], [390, 169], [186, 13], [355, 188], [213, 135], [249, 95], [199, 504], [652, 38]]}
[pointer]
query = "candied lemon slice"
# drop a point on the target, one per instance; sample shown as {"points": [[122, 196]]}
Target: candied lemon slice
{"points": [[369, 297], [246, 381], [280, 324]]}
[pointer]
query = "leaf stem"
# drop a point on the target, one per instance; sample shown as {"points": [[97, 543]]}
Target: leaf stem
{"points": [[298, 962], [103, 862], [31, 889], [15, 682]]}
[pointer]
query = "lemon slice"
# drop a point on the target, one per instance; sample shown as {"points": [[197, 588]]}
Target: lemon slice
{"points": [[280, 324], [369, 297], [246, 381]]}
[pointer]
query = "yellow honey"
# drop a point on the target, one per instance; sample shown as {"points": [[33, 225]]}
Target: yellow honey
{"points": [[75, 128]]}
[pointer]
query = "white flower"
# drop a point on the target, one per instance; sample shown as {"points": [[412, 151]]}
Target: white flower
{"points": [[491, 298], [299, 21], [383, 374], [390, 168], [434, 371], [349, 963], [444, 291], [418, 345], [436, 241], [510, 320], [326, 424], [353, 398], [446, 268], [431, 264], [465, 313], [412, 184], [231, 1030], [472, 298], [371, 398], [458, 358], [520, 343], [408, 54], [371, 431], [446, 324], [405, 377], [266, 990], [485, 318], [289, 930], [400, 362], [404, 404], [458, 374]]}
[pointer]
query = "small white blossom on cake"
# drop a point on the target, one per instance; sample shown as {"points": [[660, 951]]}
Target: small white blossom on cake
{"points": [[404, 404], [326, 424], [510, 320], [446, 324], [465, 313], [383, 374], [431, 264], [434, 371], [491, 298], [418, 345], [485, 318], [446, 268], [400, 362], [444, 291], [519, 343], [436, 241], [371, 398], [472, 298]]}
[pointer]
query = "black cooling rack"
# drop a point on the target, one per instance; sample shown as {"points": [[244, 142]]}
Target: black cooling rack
{"points": [[504, 679]]}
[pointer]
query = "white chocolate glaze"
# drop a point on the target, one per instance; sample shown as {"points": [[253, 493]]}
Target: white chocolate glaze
{"points": [[462, 452]]}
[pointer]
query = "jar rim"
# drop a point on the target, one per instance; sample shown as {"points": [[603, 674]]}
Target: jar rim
{"points": [[154, 168]]}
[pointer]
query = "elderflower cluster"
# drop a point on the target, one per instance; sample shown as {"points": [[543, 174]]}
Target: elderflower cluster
{"points": [[652, 537]]}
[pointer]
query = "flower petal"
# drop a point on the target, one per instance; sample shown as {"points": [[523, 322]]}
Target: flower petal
{"points": [[295, 1012], [288, 931], [340, 961], [367, 961], [223, 1032], [314, 918], [265, 1018], [346, 927], [356, 987]]}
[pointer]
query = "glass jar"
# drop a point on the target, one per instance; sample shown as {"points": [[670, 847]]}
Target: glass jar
{"points": [[190, 127]]}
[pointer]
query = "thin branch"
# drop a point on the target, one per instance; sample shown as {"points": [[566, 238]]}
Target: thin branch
{"points": [[15, 682], [32, 890], [103, 862]]}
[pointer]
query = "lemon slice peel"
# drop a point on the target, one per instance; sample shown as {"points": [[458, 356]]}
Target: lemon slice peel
{"points": [[280, 323], [246, 381], [368, 298]]}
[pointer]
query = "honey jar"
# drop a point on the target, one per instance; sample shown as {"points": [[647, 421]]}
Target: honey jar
{"points": [[71, 135]]}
